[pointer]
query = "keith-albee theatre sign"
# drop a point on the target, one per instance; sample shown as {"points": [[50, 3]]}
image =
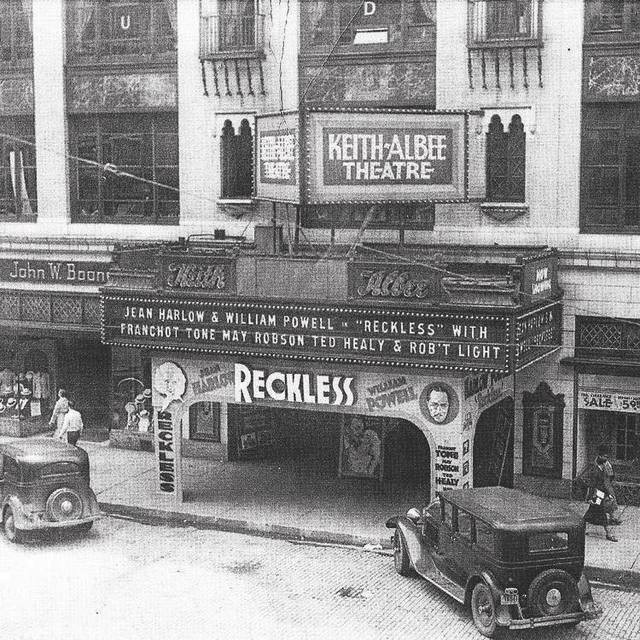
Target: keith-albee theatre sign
{"points": [[355, 335]]}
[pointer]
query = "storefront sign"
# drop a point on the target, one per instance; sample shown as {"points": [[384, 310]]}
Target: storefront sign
{"points": [[277, 151], [473, 342], [385, 156], [199, 274], [538, 334], [54, 271], [540, 278], [393, 282], [608, 401]]}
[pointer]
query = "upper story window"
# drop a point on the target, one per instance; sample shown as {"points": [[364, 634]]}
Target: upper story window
{"points": [[115, 28], [17, 170], [140, 182], [610, 191], [506, 153], [16, 42], [612, 19], [230, 28], [504, 22], [236, 161], [383, 22]]}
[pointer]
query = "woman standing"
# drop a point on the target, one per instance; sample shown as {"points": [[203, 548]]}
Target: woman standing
{"points": [[59, 411]]}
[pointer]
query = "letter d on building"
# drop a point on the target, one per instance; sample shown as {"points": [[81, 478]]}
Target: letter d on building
{"points": [[369, 8]]}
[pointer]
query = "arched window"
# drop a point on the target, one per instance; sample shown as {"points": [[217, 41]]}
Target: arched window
{"points": [[236, 160], [506, 161]]}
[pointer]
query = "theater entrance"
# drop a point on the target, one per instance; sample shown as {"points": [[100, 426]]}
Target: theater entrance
{"points": [[493, 446]]}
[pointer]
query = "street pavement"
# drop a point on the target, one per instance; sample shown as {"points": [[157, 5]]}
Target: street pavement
{"points": [[294, 500], [132, 581]]}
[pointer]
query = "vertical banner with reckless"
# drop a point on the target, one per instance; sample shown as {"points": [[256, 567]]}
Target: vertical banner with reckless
{"points": [[168, 456]]}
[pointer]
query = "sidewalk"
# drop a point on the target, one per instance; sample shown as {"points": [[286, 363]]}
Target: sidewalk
{"points": [[287, 499]]}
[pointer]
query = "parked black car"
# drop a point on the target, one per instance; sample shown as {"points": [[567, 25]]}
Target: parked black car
{"points": [[515, 559], [44, 484]]}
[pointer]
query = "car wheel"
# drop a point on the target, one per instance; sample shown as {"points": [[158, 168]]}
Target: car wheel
{"points": [[483, 610], [552, 593], [9, 526], [401, 560]]}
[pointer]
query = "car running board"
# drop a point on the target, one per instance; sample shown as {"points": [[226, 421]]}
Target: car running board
{"points": [[426, 568]]}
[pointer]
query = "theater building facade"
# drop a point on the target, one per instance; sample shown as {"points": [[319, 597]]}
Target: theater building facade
{"points": [[390, 370]]}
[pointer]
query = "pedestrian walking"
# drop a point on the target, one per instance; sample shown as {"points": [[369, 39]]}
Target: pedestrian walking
{"points": [[72, 426], [59, 411], [612, 504], [600, 500]]}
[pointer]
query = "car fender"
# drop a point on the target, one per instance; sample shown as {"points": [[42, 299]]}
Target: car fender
{"points": [[412, 537], [586, 599], [19, 515], [503, 615]]}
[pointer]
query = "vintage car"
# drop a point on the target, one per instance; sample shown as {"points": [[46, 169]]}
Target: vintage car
{"points": [[44, 484], [515, 559]]}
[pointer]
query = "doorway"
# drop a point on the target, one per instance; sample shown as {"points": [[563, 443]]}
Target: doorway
{"points": [[493, 446]]}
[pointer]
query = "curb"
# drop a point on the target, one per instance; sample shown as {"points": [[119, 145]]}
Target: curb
{"points": [[146, 515], [616, 578]]}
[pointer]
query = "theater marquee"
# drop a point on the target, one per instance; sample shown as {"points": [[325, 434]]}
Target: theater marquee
{"points": [[355, 335]]}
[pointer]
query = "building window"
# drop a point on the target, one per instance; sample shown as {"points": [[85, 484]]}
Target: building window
{"points": [[230, 27], [236, 161], [17, 169], [100, 28], [612, 18], [506, 152], [351, 22], [494, 22], [16, 43], [611, 169], [128, 170]]}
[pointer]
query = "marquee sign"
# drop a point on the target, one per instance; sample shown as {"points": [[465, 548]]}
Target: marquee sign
{"points": [[357, 335], [384, 281], [376, 156], [538, 334], [277, 153], [540, 278], [198, 274]]}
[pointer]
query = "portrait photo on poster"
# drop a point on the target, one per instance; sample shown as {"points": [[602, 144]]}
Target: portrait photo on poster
{"points": [[439, 403]]}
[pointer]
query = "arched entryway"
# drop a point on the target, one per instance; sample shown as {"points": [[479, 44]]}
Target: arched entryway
{"points": [[407, 457], [493, 446]]}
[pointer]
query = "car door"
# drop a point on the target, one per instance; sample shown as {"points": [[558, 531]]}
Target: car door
{"points": [[431, 521], [444, 552], [462, 553]]}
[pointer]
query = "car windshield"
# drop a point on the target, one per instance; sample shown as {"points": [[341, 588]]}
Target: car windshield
{"points": [[549, 541]]}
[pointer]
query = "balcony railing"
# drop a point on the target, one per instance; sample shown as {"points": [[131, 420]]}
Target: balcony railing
{"points": [[231, 36], [505, 23]]}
